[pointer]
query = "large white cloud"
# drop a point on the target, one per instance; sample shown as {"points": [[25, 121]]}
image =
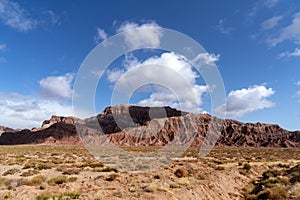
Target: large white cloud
{"points": [[246, 100], [290, 32], [19, 111], [13, 15], [176, 73], [143, 35], [57, 86]]}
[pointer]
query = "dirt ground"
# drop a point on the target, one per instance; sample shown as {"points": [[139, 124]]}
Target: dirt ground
{"points": [[70, 172]]}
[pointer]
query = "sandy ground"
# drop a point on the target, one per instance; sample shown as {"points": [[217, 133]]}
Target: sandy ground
{"points": [[213, 177]]}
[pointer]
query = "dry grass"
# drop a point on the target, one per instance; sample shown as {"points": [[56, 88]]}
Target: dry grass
{"points": [[48, 172], [62, 195], [37, 180]]}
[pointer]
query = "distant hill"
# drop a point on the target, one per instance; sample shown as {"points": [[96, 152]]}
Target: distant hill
{"points": [[133, 127]]}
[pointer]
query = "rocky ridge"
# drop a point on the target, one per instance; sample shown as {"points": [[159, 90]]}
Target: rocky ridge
{"points": [[153, 126]]}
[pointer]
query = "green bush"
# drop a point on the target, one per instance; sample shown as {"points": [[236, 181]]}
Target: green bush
{"points": [[246, 166]]}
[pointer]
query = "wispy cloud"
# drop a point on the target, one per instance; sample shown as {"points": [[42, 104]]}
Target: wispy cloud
{"points": [[271, 22], [290, 32], [51, 17], [2, 47], [100, 36], [13, 15], [246, 100], [56, 87], [294, 53], [223, 28], [270, 3], [258, 5]]}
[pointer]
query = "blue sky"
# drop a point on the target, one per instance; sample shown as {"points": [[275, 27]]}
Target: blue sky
{"points": [[255, 45]]}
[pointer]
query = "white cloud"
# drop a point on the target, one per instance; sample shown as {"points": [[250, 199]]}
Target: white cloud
{"points": [[101, 35], [296, 52], [16, 17], [142, 35], [298, 83], [18, 111], [270, 3], [2, 47], [290, 32], [206, 58], [57, 86], [271, 22], [223, 28], [51, 17], [171, 69], [246, 100]]}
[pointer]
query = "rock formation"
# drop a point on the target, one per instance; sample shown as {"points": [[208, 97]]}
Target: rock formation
{"points": [[153, 126], [6, 129]]}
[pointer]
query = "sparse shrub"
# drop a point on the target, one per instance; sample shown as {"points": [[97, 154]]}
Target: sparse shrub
{"points": [[38, 165], [96, 164], [70, 171], [270, 173], [58, 180], [142, 167], [184, 181], [11, 171], [63, 195], [107, 169], [164, 188], [295, 191], [157, 176], [91, 164], [268, 182], [37, 180], [118, 194], [43, 186], [72, 179], [246, 166], [7, 195], [295, 177], [283, 165], [220, 168], [57, 161], [13, 183], [151, 188], [29, 165], [218, 161], [180, 172], [112, 177], [30, 173], [274, 193], [41, 166]]}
